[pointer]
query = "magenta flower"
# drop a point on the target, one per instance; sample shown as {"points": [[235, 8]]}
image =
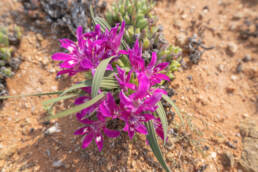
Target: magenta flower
{"points": [[123, 79], [158, 128], [83, 99], [90, 49], [109, 108], [135, 123], [94, 130], [152, 71], [135, 57]]}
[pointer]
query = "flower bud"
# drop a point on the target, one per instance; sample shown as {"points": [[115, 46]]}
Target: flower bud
{"points": [[146, 43], [3, 38], [5, 53]]}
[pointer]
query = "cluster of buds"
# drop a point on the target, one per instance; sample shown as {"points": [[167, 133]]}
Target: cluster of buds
{"points": [[8, 64], [133, 102], [141, 24]]}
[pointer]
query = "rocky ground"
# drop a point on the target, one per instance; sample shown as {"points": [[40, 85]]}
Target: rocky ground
{"points": [[217, 93]]}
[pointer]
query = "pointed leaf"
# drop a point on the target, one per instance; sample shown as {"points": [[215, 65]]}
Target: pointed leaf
{"points": [[152, 139], [165, 97], [29, 95], [77, 108], [163, 118], [57, 99], [99, 75]]}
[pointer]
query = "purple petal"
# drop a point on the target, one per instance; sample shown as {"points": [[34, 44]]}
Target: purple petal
{"points": [[81, 131], [111, 133], [161, 76], [160, 67], [99, 141], [68, 44], [141, 129], [68, 64], [87, 140], [153, 60], [61, 56]]}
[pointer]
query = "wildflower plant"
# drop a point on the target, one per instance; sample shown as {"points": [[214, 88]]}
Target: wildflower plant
{"points": [[121, 87]]}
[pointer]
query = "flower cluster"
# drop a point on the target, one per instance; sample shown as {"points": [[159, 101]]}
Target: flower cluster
{"points": [[133, 103]]}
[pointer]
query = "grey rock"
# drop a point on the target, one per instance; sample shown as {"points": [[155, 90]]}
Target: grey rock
{"points": [[249, 158], [58, 163], [227, 160]]}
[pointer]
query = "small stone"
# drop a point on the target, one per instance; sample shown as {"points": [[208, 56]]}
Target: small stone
{"points": [[220, 68], [247, 58], [53, 129], [230, 145], [233, 77], [230, 90], [189, 77], [1, 146], [227, 159], [232, 48], [237, 16], [57, 164], [245, 115], [213, 155], [239, 68], [181, 39]]}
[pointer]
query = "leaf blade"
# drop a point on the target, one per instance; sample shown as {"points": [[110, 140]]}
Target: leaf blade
{"points": [[77, 108], [163, 118], [99, 75], [165, 97], [152, 139]]}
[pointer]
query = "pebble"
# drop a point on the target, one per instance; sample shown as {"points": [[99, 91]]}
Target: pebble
{"points": [[245, 115], [181, 39], [1, 146], [220, 67], [189, 77], [53, 129], [230, 145], [247, 58], [232, 48], [213, 155], [57, 163], [233, 77], [227, 160], [239, 68]]}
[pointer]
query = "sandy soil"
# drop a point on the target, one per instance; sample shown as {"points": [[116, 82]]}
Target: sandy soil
{"points": [[212, 94]]}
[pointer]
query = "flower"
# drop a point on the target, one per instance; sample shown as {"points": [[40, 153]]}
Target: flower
{"points": [[135, 57], [152, 71], [94, 130], [109, 108], [90, 49], [82, 99], [123, 80], [138, 107], [158, 128]]}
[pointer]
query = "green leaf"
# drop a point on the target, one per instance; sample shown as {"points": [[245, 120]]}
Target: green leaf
{"points": [[165, 97], [77, 108], [163, 118], [86, 83], [152, 139], [54, 100], [99, 75], [29, 95]]}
